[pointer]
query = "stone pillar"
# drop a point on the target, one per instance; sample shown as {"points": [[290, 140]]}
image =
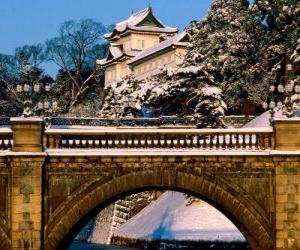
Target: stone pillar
{"points": [[27, 134], [287, 203], [26, 163], [287, 184], [287, 134], [26, 201]]}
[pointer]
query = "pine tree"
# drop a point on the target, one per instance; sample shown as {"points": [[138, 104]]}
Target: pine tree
{"points": [[281, 22], [188, 89], [226, 43], [295, 81], [122, 99]]}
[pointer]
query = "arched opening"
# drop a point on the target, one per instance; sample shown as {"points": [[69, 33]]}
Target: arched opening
{"points": [[173, 219], [67, 223]]}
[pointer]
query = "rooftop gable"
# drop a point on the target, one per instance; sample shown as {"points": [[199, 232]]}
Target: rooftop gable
{"points": [[143, 20]]}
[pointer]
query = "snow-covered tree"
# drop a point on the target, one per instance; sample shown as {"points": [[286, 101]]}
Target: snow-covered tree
{"points": [[295, 81], [122, 99], [188, 89], [225, 43], [281, 22]]}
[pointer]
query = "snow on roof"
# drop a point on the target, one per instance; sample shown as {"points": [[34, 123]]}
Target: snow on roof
{"points": [[174, 40], [169, 217], [135, 19], [116, 53]]}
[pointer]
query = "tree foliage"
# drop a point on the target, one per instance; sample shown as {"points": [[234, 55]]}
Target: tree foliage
{"points": [[75, 51], [122, 99], [11, 67]]}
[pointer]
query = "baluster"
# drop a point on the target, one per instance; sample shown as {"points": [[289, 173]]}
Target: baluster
{"points": [[103, 141], [10, 143], [217, 146], [112, 142], [230, 141], [106, 140], [163, 141], [238, 141], [93, 142], [211, 141], [152, 140], [140, 139], [57, 142], [198, 141], [132, 141], [205, 142], [223, 143], [2, 146], [250, 141], [171, 138], [126, 141], [159, 143], [244, 141], [257, 141]]}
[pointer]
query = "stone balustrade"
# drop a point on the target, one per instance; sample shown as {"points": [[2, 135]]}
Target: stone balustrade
{"points": [[199, 139]]}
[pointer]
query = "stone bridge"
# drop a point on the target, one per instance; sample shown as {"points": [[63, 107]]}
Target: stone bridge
{"points": [[54, 179]]}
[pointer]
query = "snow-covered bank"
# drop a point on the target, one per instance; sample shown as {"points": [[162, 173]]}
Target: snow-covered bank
{"points": [[169, 217]]}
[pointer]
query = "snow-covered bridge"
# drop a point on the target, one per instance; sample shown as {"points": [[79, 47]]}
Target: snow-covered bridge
{"points": [[54, 178]]}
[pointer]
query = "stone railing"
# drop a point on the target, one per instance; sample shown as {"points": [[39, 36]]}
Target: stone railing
{"points": [[6, 139], [199, 139]]}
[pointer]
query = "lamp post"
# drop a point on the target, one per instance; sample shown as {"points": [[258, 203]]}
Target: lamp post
{"points": [[288, 98], [31, 89]]}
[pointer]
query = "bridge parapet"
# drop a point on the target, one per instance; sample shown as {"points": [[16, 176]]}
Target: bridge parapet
{"points": [[6, 139], [198, 139]]}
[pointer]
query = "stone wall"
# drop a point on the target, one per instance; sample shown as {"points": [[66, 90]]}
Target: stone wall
{"points": [[242, 187], [287, 203]]}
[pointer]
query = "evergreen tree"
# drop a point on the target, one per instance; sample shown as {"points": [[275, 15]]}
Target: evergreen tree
{"points": [[281, 22], [186, 90], [295, 81], [225, 43], [122, 99]]}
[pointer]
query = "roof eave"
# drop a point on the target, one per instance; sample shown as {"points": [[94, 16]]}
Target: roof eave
{"points": [[151, 56], [116, 60]]}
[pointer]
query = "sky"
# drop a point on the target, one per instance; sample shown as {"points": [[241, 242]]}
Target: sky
{"points": [[26, 22]]}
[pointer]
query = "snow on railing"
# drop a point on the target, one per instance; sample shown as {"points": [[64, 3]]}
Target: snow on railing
{"points": [[201, 139], [6, 139]]}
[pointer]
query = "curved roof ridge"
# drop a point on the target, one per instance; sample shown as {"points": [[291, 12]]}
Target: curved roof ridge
{"points": [[135, 19]]}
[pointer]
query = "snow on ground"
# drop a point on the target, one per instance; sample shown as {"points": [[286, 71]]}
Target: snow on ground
{"points": [[169, 217], [263, 120]]}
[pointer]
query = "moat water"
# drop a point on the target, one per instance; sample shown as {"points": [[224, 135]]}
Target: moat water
{"points": [[87, 246]]}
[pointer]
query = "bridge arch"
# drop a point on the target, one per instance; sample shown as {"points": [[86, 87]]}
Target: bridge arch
{"points": [[83, 204], [5, 242]]}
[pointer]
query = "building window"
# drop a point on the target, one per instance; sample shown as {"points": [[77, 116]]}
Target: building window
{"points": [[140, 44]]}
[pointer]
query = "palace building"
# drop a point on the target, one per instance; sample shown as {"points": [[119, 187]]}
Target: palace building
{"points": [[142, 45]]}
